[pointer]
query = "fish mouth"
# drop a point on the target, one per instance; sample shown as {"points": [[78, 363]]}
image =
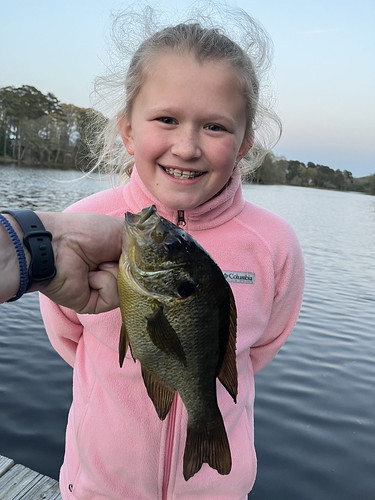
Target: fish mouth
{"points": [[139, 220], [177, 173], [145, 215], [138, 229]]}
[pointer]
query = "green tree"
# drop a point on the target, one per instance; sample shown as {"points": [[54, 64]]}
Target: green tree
{"points": [[294, 172], [17, 106], [325, 177], [271, 171]]}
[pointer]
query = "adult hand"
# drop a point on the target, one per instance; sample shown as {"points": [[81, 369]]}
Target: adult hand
{"points": [[87, 248]]}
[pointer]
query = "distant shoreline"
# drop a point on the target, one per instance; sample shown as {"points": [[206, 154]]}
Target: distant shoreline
{"points": [[52, 165]]}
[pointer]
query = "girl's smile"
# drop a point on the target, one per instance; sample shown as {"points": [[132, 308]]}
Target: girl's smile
{"points": [[187, 129], [181, 174]]}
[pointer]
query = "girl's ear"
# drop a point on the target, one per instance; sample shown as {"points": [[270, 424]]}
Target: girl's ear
{"points": [[126, 133], [246, 145]]}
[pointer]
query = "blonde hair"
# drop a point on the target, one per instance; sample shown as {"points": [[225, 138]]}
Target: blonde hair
{"points": [[248, 50]]}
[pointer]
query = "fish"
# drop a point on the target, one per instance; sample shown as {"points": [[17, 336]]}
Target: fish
{"points": [[179, 321]]}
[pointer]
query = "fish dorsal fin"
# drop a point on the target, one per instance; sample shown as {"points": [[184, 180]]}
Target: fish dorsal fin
{"points": [[164, 336], [123, 344], [228, 371], [160, 394]]}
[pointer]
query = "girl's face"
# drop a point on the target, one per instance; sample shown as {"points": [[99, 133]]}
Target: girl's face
{"points": [[187, 129]]}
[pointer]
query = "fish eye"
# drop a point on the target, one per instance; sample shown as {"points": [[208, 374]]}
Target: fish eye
{"points": [[186, 288], [158, 235]]}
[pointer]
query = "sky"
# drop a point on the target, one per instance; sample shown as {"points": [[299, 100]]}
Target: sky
{"points": [[323, 70]]}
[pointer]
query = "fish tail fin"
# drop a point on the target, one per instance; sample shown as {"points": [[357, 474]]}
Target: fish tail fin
{"points": [[207, 444]]}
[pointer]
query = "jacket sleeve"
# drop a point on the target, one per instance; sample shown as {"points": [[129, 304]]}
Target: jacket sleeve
{"points": [[63, 328], [289, 276]]}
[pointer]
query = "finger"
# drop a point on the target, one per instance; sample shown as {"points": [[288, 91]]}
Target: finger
{"points": [[111, 267], [104, 292]]}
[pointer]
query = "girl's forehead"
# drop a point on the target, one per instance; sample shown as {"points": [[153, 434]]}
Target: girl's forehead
{"points": [[186, 65]]}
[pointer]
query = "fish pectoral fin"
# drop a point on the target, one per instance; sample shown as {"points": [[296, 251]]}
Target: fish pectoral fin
{"points": [[228, 371], [164, 336], [123, 344], [160, 393], [207, 445]]}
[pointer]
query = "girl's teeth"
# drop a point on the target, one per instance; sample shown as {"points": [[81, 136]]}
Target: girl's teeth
{"points": [[182, 174]]}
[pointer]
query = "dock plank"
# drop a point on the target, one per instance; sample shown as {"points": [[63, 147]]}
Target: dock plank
{"points": [[5, 464], [19, 482], [43, 488]]}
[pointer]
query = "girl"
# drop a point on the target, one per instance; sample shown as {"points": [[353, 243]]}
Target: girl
{"points": [[188, 119]]}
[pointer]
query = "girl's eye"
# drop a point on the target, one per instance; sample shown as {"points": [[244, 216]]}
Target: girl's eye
{"points": [[214, 127], [167, 120]]}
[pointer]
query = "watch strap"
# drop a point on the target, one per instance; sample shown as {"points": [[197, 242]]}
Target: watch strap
{"points": [[38, 242]]}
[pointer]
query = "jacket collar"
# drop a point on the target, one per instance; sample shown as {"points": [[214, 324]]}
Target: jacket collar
{"points": [[215, 212]]}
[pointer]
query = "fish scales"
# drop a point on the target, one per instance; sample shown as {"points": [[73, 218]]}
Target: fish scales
{"points": [[179, 319]]}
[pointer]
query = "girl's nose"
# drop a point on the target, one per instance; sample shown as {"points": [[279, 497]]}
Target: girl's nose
{"points": [[186, 144]]}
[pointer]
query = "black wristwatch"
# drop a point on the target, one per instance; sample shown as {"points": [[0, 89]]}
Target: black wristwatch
{"points": [[38, 242]]}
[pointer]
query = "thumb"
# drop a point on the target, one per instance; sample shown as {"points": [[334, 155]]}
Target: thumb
{"points": [[110, 267]]}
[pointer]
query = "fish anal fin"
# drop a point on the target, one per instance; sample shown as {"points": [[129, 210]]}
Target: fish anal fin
{"points": [[164, 336], [160, 394], [228, 371], [207, 445], [123, 344]]}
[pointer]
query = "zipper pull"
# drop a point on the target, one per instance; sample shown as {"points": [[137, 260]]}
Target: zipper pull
{"points": [[181, 218]]}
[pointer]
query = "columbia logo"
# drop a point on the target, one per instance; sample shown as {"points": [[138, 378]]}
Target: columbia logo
{"points": [[239, 277]]}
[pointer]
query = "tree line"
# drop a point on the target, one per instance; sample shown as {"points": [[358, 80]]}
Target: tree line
{"points": [[276, 170], [37, 129]]}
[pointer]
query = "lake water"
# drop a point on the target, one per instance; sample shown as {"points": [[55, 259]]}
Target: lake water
{"points": [[315, 404]]}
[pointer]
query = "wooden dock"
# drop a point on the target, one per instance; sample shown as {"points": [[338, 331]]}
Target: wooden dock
{"points": [[19, 482]]}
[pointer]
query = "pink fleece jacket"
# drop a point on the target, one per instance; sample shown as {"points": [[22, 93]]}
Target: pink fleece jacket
{"points": [[116, 446]]}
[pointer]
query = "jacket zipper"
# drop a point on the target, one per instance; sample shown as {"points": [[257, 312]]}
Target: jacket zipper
{"points": [[169, 448], [181, 218]]}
